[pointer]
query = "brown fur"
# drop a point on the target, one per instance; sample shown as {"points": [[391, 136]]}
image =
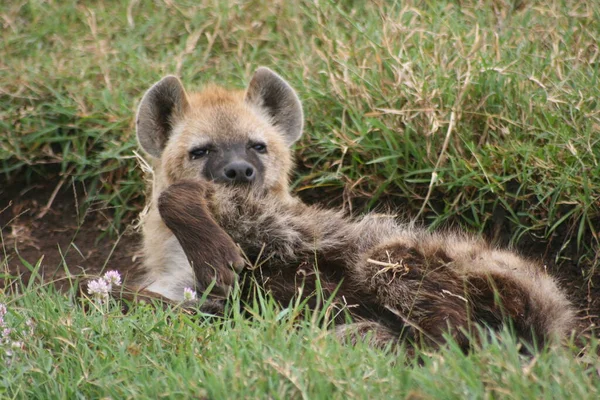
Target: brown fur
{"points": [[396, 281], [221, 260]]}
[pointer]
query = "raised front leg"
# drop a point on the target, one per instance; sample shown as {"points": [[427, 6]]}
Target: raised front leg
{"points": [[210, 250]]}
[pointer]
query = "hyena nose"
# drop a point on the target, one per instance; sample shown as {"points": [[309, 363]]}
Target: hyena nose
{"points": [[239, 172]]}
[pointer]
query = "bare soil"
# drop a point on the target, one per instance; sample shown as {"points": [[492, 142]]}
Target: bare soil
{"points": [[62, 238]]}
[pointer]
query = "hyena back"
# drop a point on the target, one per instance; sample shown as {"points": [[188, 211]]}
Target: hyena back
{"points": [[221, 165]]}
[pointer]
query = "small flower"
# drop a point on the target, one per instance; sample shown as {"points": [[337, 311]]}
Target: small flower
{"points": [[10, 348], [30, 325], [16, 345], [189, 294], [5, 336], [98, 288], [113, 278]]}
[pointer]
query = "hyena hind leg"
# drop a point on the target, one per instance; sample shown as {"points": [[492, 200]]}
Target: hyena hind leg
{"points": [[421, 291], [505, 288], [371, 332], [442, 286], [535, 309]]}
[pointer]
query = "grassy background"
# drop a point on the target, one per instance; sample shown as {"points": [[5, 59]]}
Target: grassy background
{"points": [[478, 113], [380, 82]]}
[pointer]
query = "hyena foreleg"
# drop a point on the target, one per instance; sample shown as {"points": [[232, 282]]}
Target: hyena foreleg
{"points": [[213, 255]]}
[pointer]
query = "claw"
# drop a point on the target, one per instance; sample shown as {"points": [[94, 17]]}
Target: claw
{"points": [[238, 265]]}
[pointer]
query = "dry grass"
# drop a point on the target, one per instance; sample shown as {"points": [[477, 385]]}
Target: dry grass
{"points": [[481, 113], [478, 113]]}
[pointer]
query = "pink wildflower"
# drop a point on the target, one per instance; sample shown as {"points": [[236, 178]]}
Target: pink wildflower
{"points": [[98, 288], [112, 278], [30, 325], [189, 294]]}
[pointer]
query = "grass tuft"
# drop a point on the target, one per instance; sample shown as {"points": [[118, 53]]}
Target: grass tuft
{"points": [[281, 352]]}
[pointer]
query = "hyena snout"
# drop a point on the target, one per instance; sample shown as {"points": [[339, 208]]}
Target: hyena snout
{"points": [[238, 172]]}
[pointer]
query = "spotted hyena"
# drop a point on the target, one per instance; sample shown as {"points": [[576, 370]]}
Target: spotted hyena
{"points": [[221, 207]]}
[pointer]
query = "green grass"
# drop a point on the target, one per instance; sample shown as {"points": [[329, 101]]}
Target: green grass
{"points": [[379, 80], [498, 100], [150, 353]]}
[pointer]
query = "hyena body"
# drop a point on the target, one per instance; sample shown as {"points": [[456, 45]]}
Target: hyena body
{"points": [[222, 160]]}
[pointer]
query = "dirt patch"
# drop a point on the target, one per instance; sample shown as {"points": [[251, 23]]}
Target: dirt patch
{"points": [[61, 237], [65, 238]]}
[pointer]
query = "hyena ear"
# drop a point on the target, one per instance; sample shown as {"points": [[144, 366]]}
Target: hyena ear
{"points": [[160, 107], [273, 94]]}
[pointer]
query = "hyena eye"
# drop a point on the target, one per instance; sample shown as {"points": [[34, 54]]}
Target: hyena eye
{"points": [[260, 147], [199, 152]]}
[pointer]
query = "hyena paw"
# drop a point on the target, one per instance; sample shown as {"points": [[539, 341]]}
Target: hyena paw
{"points": [[222, 269]]}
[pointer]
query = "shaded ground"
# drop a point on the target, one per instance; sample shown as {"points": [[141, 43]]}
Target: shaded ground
{"points": [[62, 237]]}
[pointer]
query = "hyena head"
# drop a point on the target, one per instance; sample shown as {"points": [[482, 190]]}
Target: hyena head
{"points": [[239, 138]]}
